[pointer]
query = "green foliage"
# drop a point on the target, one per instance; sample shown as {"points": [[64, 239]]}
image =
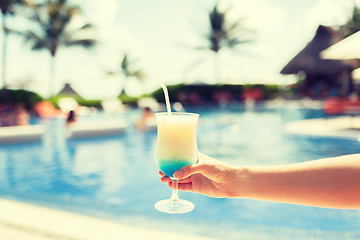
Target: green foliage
{"points": [[90, 103], [83, 102], [206, 92], [128, 100], [54, 100], [27, 98]]}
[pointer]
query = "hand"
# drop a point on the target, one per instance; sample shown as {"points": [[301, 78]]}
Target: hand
{"points": [[328, 182], [208, 177]]}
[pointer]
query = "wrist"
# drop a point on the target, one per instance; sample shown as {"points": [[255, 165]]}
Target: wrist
{"points": [[242, 182]]}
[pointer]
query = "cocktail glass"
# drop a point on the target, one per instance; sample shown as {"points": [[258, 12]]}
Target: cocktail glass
{"points": [[175, 148]]}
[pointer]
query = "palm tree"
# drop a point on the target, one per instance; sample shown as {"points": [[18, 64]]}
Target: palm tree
{"points": [[7, 8], [222, 33], [53, 19], [128, 71], [352, 25]]}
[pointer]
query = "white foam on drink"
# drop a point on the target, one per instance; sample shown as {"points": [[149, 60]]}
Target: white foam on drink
{"points": [[164, 88]]}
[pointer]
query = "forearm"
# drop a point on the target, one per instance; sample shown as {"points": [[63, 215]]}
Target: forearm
{"points": [[333, 182]]}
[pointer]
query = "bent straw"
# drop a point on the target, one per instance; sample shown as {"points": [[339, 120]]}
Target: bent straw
{"points": [[165, 93]]}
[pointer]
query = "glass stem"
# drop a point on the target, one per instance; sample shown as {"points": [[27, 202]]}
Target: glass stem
{"points": [[175, 193]]}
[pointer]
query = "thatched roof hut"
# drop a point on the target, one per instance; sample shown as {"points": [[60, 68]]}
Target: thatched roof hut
{"points": [[69, 91], [324, 72]]}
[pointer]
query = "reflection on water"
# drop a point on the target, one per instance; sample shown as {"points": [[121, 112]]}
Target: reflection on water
{"points": [[115, 177]]}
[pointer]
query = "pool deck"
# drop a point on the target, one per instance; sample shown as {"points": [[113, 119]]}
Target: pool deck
{"points": [[341, 127], [29, 222]]}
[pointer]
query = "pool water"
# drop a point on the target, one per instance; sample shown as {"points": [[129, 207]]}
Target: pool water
{"points": [[115, 177]]}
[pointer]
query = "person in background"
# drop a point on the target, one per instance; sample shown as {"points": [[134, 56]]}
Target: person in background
{"points": [[71, 118], [21, 115], [329, 182], [14, 115], [6, 115], [147, 119]]}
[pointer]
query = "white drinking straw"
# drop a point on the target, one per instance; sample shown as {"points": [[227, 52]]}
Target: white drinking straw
{"points": [[165, 93]]}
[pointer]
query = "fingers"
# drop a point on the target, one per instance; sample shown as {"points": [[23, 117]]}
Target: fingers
{"points": [[199, 167], [166, 179], [183, 186], [191, 169]]}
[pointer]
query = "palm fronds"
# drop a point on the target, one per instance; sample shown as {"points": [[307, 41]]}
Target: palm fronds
{"points": [[352, 25], [8, 6], [223, 33], [52, 19], [52, 28], [128, 70]]}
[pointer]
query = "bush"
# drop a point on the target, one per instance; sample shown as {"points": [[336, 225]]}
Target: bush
{"points": [[128, 100], [83, 102], [206, 92], [27, 98]]}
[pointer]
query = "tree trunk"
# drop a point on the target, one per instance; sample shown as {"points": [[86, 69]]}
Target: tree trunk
{"points": [[52, 76], [124, 86], [217, 68], [4, 46]]}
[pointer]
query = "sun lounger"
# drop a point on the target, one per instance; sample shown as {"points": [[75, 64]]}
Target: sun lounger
{"points": [[19, 134], [92, 129]]}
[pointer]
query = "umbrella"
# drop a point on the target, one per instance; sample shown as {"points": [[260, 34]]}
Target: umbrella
{"points": [[348, 48]]}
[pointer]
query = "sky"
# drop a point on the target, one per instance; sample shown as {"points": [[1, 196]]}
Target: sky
{"points": [[162, 35]]}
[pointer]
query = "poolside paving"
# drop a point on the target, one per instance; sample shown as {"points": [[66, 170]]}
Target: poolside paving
{"points": [[341, 126], [22, 221]]}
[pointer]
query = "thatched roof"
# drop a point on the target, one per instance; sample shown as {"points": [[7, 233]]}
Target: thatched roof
{"points": [[309, 61], [69, 91]]}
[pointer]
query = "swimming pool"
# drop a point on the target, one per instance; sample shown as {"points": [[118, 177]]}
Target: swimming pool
{"points": [[115, 177]]}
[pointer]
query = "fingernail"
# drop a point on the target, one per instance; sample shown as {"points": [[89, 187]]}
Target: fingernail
{"points": [[178, 174]]}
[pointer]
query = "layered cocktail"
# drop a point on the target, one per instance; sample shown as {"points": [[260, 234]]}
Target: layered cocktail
{"points": [[176, 147]]}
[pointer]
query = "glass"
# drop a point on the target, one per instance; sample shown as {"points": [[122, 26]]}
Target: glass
{"points": [[175, 148]]}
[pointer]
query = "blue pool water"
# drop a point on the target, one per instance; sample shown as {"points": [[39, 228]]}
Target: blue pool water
{"points": [[115, 177]]}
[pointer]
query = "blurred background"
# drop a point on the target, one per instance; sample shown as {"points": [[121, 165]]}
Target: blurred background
{"points": [[274, 82], [100, 49]]}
